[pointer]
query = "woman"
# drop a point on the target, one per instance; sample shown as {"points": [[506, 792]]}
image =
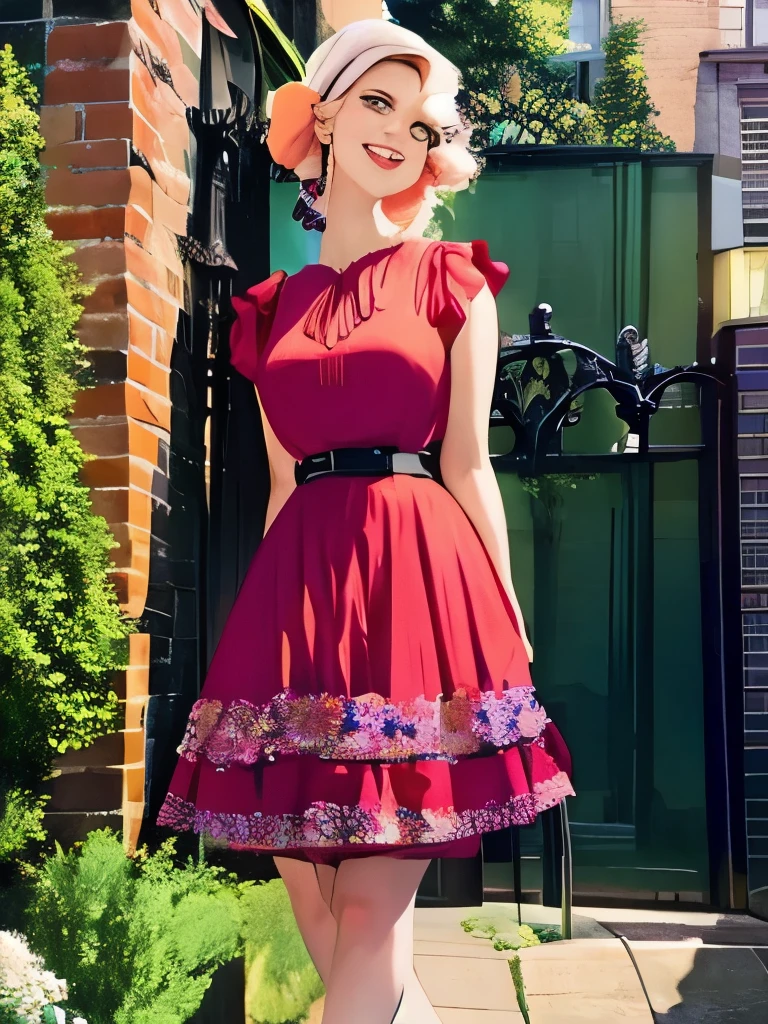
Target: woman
{"points": [[370, 705]]}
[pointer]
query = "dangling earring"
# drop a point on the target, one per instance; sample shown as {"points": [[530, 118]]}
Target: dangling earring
{"points": [[310, 191]]}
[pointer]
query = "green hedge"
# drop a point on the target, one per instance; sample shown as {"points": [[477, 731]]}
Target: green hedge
{"points": [[61, 631]]}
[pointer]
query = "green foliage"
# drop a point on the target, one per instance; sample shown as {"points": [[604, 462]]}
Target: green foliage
{"points": [[137, 939], [282, 981], [622, 102], [516, 970], [21, 820], [514, 93], [61, 632], [507, 934]]}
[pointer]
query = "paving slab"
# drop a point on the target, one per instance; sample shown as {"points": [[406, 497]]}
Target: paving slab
{"points": [[689, 984], [583, 980], [460, 983]]}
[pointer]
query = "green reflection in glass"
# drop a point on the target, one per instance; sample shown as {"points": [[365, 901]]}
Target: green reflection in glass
{"points": [[608, 577]]}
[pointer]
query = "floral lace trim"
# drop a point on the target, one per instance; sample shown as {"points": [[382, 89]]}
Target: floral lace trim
{"points": [[367, 728], [328, 824]]}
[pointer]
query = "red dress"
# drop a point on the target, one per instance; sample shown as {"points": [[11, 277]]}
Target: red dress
{"points": [[370, 692]]}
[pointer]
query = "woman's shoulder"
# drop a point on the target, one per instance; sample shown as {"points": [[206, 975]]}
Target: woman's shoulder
{"points": [[464, 264]]}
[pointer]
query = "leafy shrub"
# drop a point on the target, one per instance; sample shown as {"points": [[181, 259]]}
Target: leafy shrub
{"points": [[21, 820], [139, 939], [61, 632], [282, 981]]}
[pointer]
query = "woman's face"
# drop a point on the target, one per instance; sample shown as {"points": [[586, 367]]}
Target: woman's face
{"points": [[379, 137]]}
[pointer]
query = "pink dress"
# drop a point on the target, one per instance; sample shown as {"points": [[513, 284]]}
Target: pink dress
{"points": [[370, 692]]}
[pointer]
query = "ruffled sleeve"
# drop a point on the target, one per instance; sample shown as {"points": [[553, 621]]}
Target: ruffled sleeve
{"points": [[450, 275], [250, 332]]}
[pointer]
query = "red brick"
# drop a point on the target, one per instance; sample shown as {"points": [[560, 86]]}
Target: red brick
{"points": [[108, 121], [142, 335], [143, 443], [109, 296], [155, 33], [100, 259], [169, 212], [89, 42], [152, 306], [148, 407], [103, 438], [163, 347], [58, 125], [144, 371], [87, 222], [131, 589], [104, 331], [141, 190], [95, 82], [166, 159], [104, 153], [112, 504], [139, 509], [137, 225], [92, 188], [133, 552], [107, 472], [103, 400], [155, 103]]}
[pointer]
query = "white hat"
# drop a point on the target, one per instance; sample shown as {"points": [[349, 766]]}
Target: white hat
{"points": [[338, 62]]}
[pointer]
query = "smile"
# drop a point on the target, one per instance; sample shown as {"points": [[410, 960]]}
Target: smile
{"points": [[383, 156]]}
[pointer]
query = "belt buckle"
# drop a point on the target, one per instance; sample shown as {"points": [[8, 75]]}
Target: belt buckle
{"points": [[408, 462]]}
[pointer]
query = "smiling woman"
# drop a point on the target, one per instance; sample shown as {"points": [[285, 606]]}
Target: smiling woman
{"points": [[370, 704]]}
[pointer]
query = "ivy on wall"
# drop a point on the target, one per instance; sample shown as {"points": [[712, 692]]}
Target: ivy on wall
{"points": [[61, 630]]}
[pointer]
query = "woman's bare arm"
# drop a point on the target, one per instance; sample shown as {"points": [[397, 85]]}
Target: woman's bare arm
{"points": [[465, 461], [281, 471]]}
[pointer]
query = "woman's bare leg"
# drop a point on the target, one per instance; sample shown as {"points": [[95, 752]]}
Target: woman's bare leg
{"points": [[317, 926], [314, 919], [372, 901]]}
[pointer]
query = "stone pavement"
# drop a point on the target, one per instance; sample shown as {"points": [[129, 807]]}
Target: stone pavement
{"points": [[466, 979], [716, 974], [714, 969]]}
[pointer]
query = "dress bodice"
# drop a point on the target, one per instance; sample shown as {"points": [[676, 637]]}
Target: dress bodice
{"points": [[360, 357]]}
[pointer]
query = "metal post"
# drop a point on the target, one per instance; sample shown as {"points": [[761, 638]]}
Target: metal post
{"points": [[566, 921]]}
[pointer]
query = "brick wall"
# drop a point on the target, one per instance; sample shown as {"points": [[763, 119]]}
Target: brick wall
{"points": [[676, 32], [115, 97]]}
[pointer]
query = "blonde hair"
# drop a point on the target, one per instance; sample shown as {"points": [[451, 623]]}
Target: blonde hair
{"points": [[331, 72]]}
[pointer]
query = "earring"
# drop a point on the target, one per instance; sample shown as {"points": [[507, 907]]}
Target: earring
{"points": [[311, 220]]}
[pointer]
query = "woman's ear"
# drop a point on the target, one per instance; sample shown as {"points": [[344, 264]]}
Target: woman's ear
{"points": [[325, 115]]}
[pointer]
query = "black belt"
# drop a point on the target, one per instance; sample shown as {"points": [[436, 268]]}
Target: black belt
{"points": [[381, 461]]}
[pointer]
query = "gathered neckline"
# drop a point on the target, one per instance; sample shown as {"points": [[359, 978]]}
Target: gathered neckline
{"points": [[360, 259]]}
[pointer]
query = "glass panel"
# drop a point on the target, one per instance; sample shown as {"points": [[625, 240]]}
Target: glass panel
{"points": [[573, 237], [607, 569], [678, 419], [594, 428], [672, 288]]}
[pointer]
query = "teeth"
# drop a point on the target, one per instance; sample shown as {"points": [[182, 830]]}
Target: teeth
{"points": [[386, 153]]}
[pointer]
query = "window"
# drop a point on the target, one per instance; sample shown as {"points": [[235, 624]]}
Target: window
{"points": [[755, 626], [758, 9], [754, 170]]}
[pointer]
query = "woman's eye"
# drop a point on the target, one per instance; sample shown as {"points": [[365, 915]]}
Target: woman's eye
{"points": [[377, 103]]}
